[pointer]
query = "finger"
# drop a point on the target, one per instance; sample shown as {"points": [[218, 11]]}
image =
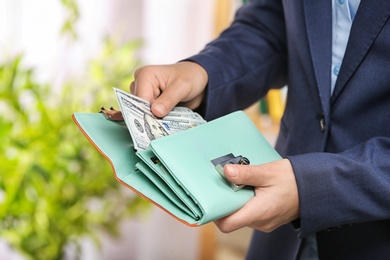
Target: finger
{"points": [[251, 215], [244, 174], [237, 220], [146, 84], [166, 101], [144, 89], [132, 87]]}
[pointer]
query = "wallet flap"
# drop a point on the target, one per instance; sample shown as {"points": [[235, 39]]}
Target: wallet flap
{"points": [[159, 172], [188, 156], [113, 141], [175, 204]]}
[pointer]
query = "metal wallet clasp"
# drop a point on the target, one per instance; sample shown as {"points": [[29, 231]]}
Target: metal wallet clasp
{"points": [[220, 162]]}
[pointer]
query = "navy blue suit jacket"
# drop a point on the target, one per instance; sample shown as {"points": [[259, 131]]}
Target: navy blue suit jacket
{"points": [[342, 165]]}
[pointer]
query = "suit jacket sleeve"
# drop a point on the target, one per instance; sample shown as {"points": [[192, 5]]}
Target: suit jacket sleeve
{"points": [[240, 74], [345, 188]]}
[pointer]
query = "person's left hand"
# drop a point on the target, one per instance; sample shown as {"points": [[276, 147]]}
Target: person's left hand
{"points": [[276, 201]]}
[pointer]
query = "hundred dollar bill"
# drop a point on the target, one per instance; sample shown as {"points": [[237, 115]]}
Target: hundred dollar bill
{"points": [[145, 127], [134, 111], [183, 116], [173, 126]]}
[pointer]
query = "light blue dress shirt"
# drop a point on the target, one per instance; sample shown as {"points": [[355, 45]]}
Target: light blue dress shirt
{"points": [[343, 13]]}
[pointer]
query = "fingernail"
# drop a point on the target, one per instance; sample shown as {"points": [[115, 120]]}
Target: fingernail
{"points": [[232, 171], [160, 109]]}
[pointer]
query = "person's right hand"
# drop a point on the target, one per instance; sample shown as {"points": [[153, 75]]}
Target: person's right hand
{"points": [[165, 86]]}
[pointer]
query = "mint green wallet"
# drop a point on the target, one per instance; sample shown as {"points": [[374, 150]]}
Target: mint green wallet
{"points": [[178, 172]]}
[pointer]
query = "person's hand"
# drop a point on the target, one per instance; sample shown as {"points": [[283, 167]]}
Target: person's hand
{"points": [[165, 86], [276, 201]]}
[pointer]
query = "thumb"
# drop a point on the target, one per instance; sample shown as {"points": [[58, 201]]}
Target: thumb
{"points": [[243, 174]]}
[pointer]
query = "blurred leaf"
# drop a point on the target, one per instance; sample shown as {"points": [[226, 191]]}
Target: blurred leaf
{"points": [[72, 16], [54, 187]]}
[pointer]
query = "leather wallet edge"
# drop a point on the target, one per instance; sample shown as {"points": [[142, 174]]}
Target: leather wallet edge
{"points": [[125, 184]]}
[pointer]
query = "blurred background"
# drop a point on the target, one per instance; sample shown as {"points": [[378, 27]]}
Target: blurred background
{"points": [[58, 196]]}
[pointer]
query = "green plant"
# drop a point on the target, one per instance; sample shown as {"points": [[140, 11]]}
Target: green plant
{"points": [[72, 15], [54, 187]]}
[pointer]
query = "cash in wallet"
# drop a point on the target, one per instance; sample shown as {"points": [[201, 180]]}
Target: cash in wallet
{"points": [[179, 172]]}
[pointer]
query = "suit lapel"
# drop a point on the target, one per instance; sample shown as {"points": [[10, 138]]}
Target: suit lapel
{"points": [[369, 20], [318, 15]]}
